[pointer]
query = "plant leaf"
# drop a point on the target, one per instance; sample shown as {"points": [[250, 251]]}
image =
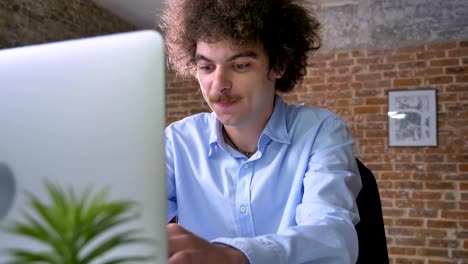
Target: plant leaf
{"points": [[129, 259], [118, 239], [70, 222], [25, 256]]}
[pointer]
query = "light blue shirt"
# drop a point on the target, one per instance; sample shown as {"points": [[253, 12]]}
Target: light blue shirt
{"points": [[293, 201]]}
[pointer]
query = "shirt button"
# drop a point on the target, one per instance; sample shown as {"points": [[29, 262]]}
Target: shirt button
{"points": [[243, 209], [246, 166]]}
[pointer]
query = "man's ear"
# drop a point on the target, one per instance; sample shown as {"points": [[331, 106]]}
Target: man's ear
{"points": [[279, 73]]}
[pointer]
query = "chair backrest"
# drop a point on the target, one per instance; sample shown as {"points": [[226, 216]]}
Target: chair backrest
{"points": [[370, 230]]}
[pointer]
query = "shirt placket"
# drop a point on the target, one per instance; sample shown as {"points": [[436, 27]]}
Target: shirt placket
{"points": [[243, 206]]}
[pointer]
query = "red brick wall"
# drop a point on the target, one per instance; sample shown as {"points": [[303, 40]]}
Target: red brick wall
{"points": [[424, 190]]}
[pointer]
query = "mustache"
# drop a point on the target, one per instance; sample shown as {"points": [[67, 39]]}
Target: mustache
{"points": [[223, 98]]}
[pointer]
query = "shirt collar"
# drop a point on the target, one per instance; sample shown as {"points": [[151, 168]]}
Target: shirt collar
{"points": [[275, 129]]}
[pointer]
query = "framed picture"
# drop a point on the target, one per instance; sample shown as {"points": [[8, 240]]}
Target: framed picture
{"points": [[412, 117]]}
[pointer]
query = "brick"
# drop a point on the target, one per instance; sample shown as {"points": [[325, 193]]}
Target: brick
{"points": [[462, 234], [366, 109], [441, 167], [409, 167], [433, 252], [376, 133], [368, 92], [428, 71], [376, 101], [429, 158], [422, 213], [444, 62], [430, 233], [375, 60], [399, 83], [400, 231], [381, 67], [463, 167], [441, 224], [379, 166], [440, 185], [337, 79], [409, 222], [357, 69], [426, 195], [322, 56], [408, 185], [406, 241], [402, 251], [341, 63], [458, 53], [462, 215], [441, 205], [412, 65], [314, 80], [409, 204], [357, 53], [343, 70], [320, 72], [394, 194], [447, 97], [342, 55], [317, 64], [408, 261], [438, 80], [368, 77], [461, 79], [456, 70], [460, 254], [399, 58], [427, 55], [441, 262], [380, 52], [376, 84]]}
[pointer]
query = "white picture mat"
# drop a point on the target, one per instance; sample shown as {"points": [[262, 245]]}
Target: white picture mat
{"points": [[412, 117]]}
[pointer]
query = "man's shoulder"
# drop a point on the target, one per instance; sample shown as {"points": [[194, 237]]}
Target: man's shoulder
{"points": [[303, 112], [196, 121]]}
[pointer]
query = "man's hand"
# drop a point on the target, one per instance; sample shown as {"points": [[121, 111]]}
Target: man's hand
{"points": [[185, 247]]}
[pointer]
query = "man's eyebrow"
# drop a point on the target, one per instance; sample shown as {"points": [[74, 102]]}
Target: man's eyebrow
{"points": [[250, 54]]}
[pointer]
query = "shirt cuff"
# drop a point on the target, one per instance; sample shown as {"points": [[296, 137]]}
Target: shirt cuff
{"points": [[257, 250]]}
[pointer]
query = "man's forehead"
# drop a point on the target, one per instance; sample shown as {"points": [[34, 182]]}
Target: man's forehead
{"points": [[203, 46]]}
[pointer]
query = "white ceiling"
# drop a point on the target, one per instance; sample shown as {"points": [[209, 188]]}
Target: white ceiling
{"points": [[141, 13]]}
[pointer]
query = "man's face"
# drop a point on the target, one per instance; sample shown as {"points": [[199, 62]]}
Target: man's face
{"points": [[234, 82]]}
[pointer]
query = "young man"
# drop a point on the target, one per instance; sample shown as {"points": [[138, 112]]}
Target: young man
{"points": [[257, 180]]}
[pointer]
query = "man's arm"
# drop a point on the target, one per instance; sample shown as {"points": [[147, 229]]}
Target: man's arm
{"points": [[185, 247]]}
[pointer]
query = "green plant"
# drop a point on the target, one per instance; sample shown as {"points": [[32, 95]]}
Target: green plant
{"points": [[71, 228]]}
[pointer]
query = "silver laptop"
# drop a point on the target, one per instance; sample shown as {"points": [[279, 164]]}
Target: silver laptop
{"points": [[80, 114]]}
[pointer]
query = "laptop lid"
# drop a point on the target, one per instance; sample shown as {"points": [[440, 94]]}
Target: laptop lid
{"points": [[85, 113]]}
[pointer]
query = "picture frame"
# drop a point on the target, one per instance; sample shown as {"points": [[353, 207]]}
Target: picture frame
{"points": [[412, 118]]}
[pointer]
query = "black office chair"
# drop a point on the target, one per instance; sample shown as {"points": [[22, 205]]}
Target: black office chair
{"points": [[370, 230]]}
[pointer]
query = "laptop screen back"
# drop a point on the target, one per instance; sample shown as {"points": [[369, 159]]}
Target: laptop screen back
{"points": [[85, 113]]}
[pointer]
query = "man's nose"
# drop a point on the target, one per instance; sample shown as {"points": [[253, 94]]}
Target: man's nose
{"points": [[222, 80]]}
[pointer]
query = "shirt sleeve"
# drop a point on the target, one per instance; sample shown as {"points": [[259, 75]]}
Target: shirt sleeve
{"points": [[170, 178], [325, 231]]}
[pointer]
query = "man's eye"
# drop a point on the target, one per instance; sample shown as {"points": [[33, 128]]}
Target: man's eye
{"points": [[241, 66], [204, 67]]}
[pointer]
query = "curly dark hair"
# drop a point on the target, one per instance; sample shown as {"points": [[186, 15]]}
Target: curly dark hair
{"points": [[287, 29]]}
